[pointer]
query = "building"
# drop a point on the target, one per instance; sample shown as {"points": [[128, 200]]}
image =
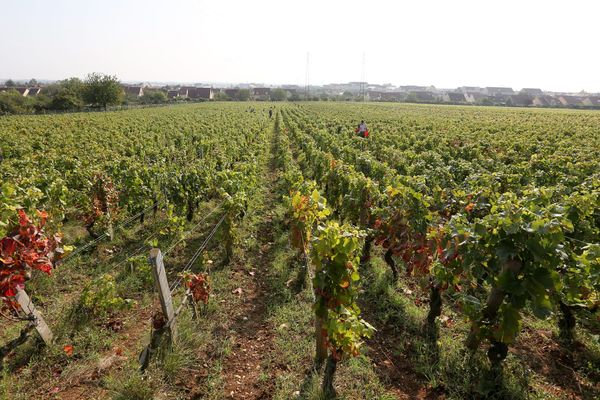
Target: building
{"points": [[421, 97], [292, 92], [545, 101], [189, 91], [411, 88], [499, 91], [196, 93], [172, 94], [520, 100], [34, 91], [133, 91], [377, 95], [500, 99], [232, 93], [540, 101], [532, 91], [183, 92], [261, 93], [351, 87], [357, 87], [471, 89], [571, 101], [475, 97], [393, 96], [374, 94], [591, 101], [386, 87], [454, 97], [23, 91]]}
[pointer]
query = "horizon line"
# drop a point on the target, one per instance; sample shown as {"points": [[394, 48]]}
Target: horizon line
{"points": [[181, 82]]}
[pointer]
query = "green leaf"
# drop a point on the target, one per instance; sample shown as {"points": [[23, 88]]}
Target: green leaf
{"points": [[510, 324]]}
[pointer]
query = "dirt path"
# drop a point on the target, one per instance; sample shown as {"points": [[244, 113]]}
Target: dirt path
{"points": [[246, 372]]}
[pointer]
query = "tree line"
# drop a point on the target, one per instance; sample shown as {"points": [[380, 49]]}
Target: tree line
{"points": [[99, 91], [96, 91]]}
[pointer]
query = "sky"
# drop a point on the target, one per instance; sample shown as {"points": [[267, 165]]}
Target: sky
{"points": [[525, 43]]}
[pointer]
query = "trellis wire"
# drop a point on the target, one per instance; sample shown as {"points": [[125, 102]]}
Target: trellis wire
{"points": [[197, 253], [104, 235], [190, 231]]}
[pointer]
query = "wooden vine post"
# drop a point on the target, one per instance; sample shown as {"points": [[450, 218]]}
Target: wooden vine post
{"points": [[34, 320], [167, 319], [31, 312], [164, 292]]}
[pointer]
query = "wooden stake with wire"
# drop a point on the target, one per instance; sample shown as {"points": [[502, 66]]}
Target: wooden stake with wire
{"points": [[164, 292]]}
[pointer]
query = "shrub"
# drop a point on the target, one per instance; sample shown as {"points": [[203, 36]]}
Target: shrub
{"points": [[100, 297]]}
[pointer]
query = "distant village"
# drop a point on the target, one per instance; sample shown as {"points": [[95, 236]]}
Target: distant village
{"points": [[351, 91], [363, 91], [501, 96]]}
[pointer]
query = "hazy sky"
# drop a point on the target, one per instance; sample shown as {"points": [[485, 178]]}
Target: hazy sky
{"points": [[524, 43]]}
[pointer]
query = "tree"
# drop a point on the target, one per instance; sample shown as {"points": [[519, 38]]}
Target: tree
{"points": [[278, 94], [52, 89], [65, 95], [10, 83], [243, 95], [102, 90], [154, 97], [221, 96], [73, 84], [412, 98], [41, 102], [12, 102], [66, 99], [32, 82]]}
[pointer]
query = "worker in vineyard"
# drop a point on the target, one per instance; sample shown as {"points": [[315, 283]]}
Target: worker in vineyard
{"points": [[362, 130], [270, 113]]}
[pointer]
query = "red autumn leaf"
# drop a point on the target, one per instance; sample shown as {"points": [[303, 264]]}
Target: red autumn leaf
{"points": [[469, 207], [7, 246], [23, 218], [43, 217], [199, 286], [68, 349], [46, 267], [24, 248]]}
